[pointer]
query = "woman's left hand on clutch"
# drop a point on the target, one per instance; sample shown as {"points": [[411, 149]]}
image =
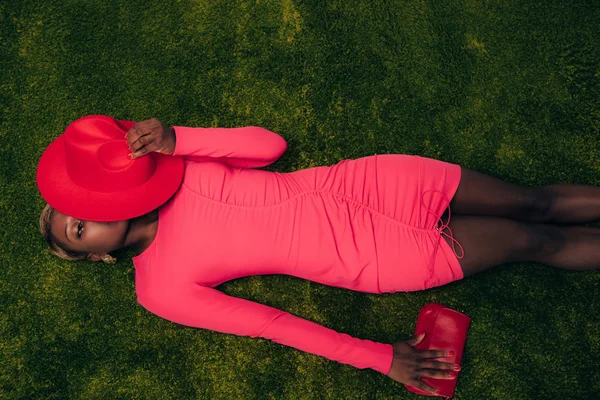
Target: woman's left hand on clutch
{"points": [[150, 135]]}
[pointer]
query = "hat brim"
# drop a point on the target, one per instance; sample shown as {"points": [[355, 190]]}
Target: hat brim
{"points": [[57, 188]]}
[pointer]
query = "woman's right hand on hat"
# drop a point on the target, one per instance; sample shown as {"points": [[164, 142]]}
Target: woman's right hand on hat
{"points": [[150, 135], [409, 365]]}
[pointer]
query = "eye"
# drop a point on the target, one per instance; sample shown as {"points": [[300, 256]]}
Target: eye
{"points": [[79, 225]]}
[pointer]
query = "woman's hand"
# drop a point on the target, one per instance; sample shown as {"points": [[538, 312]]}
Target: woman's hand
{"points": [[410, 365], [150, 135]]}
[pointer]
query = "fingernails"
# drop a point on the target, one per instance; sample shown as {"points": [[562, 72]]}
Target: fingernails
{"points": [[457, 367], [130, 156], [451, 375], [450, 353], [437, 392]]}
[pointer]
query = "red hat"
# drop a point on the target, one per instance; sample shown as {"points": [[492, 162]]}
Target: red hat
{"points": [[85, 173]]}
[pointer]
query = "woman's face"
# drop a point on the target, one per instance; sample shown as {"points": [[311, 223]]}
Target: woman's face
{"points": [[89, 236]]}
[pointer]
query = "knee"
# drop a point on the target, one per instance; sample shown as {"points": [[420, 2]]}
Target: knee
{"points": [[541, 202], [547, 239]]}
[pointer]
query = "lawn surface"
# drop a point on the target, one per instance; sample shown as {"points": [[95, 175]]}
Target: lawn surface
{"points": [[508, 88]]}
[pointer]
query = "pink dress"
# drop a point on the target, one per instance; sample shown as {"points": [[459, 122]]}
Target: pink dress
{"points": [[367, 225]]}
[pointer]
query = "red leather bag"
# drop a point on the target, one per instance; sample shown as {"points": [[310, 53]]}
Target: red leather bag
{"points": [[445, 329]]}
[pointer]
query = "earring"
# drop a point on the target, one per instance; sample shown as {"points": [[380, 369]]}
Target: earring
{"points": [[108, 259]]}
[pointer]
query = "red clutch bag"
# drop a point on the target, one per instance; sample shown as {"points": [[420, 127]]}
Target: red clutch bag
{"points": [[445, 329]]}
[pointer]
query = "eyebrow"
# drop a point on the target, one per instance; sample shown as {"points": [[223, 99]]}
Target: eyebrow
{"points": [[66, 226]]}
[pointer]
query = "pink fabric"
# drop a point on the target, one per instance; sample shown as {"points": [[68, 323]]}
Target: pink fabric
{"points": [[359, 224], [442, 227]]}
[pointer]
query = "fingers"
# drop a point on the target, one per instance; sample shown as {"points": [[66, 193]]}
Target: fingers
{"points": [[140, 129], [436, 353], [143, 145], [140, 152], [418, 382], [436, 373], [430, 373], [135, 133], [142, 137], [439, 365], [140, 147], [140, 142], [423, 386]]}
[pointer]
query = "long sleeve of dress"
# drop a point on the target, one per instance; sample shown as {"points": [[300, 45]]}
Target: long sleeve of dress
{"points": [[205, 307], [245, 147]]}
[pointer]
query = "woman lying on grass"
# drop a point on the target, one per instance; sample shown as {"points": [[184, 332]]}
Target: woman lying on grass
{"points": [[196, 209]]}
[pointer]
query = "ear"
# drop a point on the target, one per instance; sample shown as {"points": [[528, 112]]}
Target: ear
{"points": [[96, 256]]}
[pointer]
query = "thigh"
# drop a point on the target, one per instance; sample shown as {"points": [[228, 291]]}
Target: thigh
{"points": [[481, 194], [490, 241]]}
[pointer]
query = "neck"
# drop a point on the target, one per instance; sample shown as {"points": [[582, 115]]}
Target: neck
{"points": [[142, 231]]}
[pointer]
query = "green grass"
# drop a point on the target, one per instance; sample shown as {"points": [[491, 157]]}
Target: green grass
{"points": [[508, 88]]}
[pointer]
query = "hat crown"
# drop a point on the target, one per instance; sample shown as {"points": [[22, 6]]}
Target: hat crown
{"points": [[96, 156], [85, 173]]}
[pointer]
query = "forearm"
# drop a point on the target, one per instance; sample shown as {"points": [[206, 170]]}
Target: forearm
{"points": [[245, 147]]}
